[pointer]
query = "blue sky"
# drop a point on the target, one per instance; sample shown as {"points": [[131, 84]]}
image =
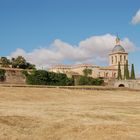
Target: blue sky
{"points": [[38, 25]]}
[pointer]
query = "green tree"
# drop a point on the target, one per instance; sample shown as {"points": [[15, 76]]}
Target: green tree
{"points": [[124, 71], [20, 62], [42, 77], [132, 72], [119, 72], [5, 62], [127, 70], [83, 80], [87, 72]]}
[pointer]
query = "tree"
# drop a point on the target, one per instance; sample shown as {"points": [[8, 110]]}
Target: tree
{"points": [[42, 77], [124, 71], [87, 72], [83, 80], [20, 62], [127, 70], [132, 72], [5, 62], [119, 72]]}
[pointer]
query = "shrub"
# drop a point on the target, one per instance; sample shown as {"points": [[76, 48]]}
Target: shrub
{"points": [[42, 77], [83, 80], [2, 74]]}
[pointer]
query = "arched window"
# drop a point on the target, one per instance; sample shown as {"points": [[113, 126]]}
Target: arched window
{"points": [[116, 58], [124, 58], [120, 58], [112, 59]]}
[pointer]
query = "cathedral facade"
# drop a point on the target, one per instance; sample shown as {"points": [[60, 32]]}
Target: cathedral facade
{"points": [[117, 55]]}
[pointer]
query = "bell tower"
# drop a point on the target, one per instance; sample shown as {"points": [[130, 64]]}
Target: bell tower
{"points": [[118, 54]]}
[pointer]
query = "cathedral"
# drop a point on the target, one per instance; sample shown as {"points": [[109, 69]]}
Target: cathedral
{"points": [[117, 55]]}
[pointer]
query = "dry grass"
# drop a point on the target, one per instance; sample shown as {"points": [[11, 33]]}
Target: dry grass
{"points": [[58, 114]]}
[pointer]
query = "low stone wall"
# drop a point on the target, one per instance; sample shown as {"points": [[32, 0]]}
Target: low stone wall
{"points": [[133, 84]]}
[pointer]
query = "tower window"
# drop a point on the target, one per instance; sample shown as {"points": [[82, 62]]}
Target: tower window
{"points": [[120, 58], [116, 58], [124, 58], [112, 59]]}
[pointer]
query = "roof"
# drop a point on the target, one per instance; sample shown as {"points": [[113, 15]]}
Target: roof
{"points": [[118, 48], [108, 68]]}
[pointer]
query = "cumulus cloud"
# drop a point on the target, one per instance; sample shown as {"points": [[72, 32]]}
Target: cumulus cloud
{"points": [[93, 50], [136, 18]]}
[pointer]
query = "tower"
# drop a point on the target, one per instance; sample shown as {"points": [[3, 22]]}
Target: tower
{"points": [[118, 54]]}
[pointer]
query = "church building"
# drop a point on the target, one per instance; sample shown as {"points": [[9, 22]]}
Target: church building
{"points": [[117, 55]]}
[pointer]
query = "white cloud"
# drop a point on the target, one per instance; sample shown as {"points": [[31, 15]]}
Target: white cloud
{"points": [[136, 18], [91, 50]]}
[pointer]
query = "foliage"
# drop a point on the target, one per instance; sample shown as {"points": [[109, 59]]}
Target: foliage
{"points": [[126, 70], [5, 62], [87, 72], [132, 72], [24, 72], [2, 74], [20, 62], [37, 77], [119, 72], [59, 79], [83, 80], [42, 77]]}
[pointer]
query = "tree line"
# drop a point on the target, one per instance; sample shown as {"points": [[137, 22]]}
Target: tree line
{"points": [[127, 75], [18, 62], [43, 77]]}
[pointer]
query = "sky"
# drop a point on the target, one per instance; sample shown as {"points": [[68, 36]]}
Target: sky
{"points": [[49, 32]]}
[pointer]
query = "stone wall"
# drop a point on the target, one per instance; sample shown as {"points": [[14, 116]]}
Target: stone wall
{"points": [[134, 84], [14, 76]]}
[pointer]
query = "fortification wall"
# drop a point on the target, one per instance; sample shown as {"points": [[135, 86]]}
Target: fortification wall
{"points": [[14, 76]]}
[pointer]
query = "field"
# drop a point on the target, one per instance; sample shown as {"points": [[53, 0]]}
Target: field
{"points": [[61, 114]]}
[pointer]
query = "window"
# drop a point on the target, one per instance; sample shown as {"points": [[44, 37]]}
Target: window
{"points": [[124, 58], [120, 58], [116, 58]]}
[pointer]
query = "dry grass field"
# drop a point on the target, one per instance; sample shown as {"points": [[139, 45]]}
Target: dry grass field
{"points": [[61, 114]]}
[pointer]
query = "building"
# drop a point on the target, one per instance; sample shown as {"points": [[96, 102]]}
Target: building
{"points": [[118, 54]]}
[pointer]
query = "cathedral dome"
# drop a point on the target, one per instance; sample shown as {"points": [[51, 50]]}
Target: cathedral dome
{"points": [[118, 48]]}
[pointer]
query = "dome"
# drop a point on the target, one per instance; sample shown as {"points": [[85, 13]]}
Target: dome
{"points": [[118, 48]]}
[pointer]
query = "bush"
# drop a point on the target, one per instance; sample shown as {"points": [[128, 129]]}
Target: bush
{"points": [[2, 74], [42, 77], [83, 80], [37, 77]]}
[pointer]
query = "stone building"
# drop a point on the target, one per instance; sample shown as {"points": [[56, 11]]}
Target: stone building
{"points": [[118, 54]]}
